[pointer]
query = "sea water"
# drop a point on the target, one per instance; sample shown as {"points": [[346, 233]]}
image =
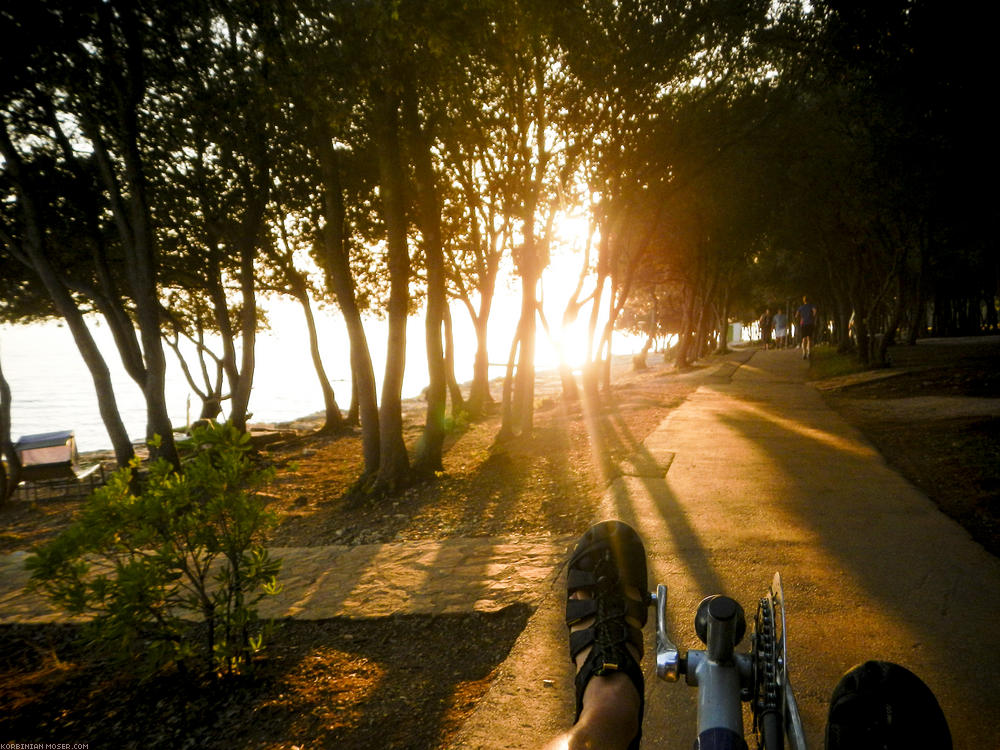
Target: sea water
{"points": [[51, 387], [52, 390]]}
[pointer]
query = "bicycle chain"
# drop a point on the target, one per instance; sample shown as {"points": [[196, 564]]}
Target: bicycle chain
{"points": [[767, 688]]}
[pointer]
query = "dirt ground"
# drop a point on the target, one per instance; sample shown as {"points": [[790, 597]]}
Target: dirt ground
{"points": [[935, 417], [343, 683], [360, 684]]}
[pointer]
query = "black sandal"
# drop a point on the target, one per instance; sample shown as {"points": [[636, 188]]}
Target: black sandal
{"points": [[608, 558]]}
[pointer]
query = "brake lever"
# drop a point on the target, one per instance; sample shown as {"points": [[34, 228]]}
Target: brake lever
{"points": [[668, 658]]}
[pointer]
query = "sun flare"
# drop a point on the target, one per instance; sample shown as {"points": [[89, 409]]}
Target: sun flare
{"points": [[570, 259]]}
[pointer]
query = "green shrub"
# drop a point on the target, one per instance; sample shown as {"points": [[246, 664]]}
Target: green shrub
{"points": [[152, 552]]}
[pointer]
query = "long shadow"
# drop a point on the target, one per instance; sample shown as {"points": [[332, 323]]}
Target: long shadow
{"points": [[394, 679], [661, 513], [521, 465], [309, 573], [380, 661], [880, 536], [347, 684]]}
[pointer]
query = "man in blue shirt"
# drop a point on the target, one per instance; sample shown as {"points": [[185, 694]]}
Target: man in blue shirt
{"points": [[806, 315]]}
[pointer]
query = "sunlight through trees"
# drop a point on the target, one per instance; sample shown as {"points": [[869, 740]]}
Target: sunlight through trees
{"points": [[165, 165]]}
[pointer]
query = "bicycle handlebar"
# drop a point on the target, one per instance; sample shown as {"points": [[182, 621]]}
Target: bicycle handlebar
{"points": [[726, 679]]}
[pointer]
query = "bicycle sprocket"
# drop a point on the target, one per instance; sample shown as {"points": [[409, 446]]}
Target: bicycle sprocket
{"points": [[768, 651]]}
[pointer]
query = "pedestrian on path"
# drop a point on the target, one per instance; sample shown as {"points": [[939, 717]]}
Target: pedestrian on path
{"points": [[766, 324], [806, 315], [780, 329]]}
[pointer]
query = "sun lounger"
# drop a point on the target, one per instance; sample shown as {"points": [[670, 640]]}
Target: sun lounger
{"points": [[50, 466]]}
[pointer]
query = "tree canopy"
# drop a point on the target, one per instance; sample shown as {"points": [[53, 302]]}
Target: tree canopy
{"points": [[164, 164]]}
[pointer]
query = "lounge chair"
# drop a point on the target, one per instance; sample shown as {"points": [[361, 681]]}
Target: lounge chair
{"points": [[49, 463]]}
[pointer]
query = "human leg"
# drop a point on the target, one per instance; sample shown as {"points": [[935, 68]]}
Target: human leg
{"points": [[610, 717], [606, 609], [807, 337]]}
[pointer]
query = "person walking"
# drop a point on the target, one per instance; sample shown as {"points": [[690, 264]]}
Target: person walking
{"points": [[780, 329], [765, 329], [806, 315]]}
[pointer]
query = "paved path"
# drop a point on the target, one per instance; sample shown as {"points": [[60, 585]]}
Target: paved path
{"points": [[752, 474], [482, 574]]}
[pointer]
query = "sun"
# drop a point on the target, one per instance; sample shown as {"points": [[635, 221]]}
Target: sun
{"points": [[571, 253]]}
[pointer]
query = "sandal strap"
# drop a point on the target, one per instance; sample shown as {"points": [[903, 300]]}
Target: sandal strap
{"points": [[577, 579], [579, 609], [600, 662], [580, 639]]}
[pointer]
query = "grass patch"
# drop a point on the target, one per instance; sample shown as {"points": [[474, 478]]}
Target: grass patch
{"points": [[827, 362]]}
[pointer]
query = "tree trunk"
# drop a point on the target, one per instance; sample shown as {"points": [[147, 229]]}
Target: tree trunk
{"points": [[107, 296], [891, 327], [256, 181], [604, 351], [591, 375], [336, 261], [454, 390], [248, 332], [428, 459], [723, 347], [917, 312], [354, 410], [92, 357], [523, 404], [133, 222], [211, 395], [142, 274], [479, 391], [639, 360], [862, 332], [394, 466], [681, 354], [8, 482], [333, 421], [701, 338], [507, 431]]}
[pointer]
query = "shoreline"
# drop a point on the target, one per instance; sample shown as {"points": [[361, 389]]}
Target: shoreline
{"points": [[547, 384]]}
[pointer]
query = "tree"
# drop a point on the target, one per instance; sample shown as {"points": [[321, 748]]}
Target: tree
{"points": [[28, 238], [95, 76], [10, 465], [321, 57], [881, 180], [532, 79], [435, 99], [295, 282], [213, 170], [478, 231], [656, 84]]}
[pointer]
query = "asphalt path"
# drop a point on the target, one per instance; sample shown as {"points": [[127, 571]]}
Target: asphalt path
{"points": [[754, 474]]}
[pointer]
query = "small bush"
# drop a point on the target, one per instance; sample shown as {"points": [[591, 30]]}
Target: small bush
{"points": [[150, 553]]}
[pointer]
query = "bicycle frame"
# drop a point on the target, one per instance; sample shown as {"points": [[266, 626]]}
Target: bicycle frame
{"points": [[725, 679]]}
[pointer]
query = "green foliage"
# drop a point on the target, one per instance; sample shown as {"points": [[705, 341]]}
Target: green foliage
{"points": [[152, 552], [827, 362]]}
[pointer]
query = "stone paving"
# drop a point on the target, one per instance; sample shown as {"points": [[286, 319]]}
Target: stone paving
{"points": [[484, 574]]}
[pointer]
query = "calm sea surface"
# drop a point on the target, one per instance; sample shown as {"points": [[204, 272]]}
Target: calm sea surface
{"points": [[51, 388]]}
